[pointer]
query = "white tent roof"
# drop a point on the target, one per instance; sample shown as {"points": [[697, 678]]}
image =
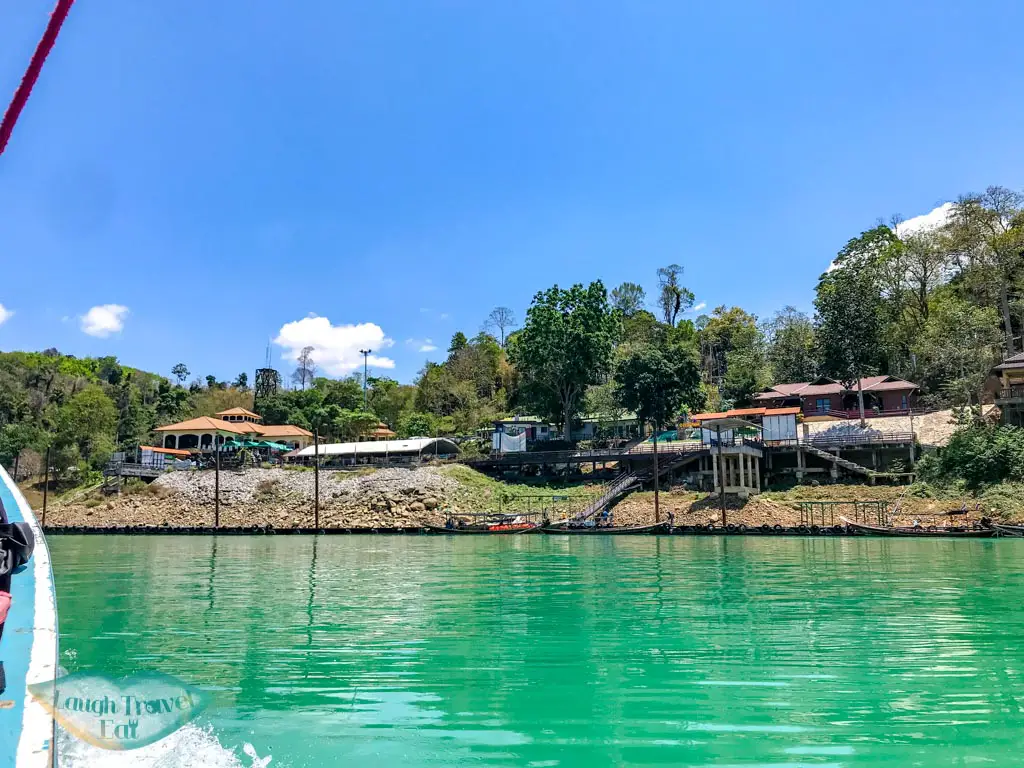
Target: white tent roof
{"points": [[416, 445]]}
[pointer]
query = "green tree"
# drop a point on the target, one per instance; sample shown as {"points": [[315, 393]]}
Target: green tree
{"points": [[957, 347], [180, 372], [725, 329], [746, 370], [351, 425], [656, 386], [628, 298], [564, 347], [792, 347], [417, 424], [459, 342], [88, 421], [849, 311], [673, 297], [986, 234]]}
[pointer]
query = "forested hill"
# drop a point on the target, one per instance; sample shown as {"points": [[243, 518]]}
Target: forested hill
{"points": [[938, 306], [85, 408]]}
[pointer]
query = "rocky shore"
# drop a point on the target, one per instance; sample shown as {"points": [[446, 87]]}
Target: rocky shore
{"points": [[278, 498], [412, 498]]}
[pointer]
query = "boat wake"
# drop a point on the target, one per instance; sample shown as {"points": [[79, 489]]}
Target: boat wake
{"points": [[193, 746]]}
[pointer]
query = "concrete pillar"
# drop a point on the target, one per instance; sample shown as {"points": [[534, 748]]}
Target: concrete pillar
{"points": [[757, 472], [742, 461], [714, 471], [799, 463]]}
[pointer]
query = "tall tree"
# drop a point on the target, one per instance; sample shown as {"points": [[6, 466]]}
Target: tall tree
{"points": [[305, 370], [180, 372], [987, 235], [673, 297], [628, 298], [957, 348], [746, 370], [849, 309], [565, 346], [718, 334], [501, 319], [459, 342], [241, 381], [791, 346], [656, 385]]}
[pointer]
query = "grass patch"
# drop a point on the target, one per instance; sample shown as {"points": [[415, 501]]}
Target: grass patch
{"points": [[266, 488], [482, 493]]}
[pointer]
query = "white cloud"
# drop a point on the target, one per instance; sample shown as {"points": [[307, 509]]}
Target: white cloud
{"points": [[422, 345], [5, 314], [934, 218], [103, 320], [335, 347], [698, 307]]}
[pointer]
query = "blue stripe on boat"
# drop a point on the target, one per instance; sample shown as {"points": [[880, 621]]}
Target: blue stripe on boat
{"points": [[16, 646]]}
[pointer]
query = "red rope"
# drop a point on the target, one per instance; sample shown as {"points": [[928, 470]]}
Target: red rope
{"points": [[32, 73]]}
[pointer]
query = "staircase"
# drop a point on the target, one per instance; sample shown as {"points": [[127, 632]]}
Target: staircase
{"points": [[617, 488], [844, 463], [628, 481]]}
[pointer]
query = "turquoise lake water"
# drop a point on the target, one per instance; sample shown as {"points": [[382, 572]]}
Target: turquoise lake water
{"points": [[566, 651]]}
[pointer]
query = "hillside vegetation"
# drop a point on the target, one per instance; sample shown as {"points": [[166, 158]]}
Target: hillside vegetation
{"points": [[936, 306]]}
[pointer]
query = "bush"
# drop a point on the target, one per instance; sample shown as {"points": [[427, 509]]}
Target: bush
{"points": [[266, 487], [979, 455]]}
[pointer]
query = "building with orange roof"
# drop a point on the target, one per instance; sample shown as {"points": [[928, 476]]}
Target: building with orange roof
{"points": [[239, 424]]}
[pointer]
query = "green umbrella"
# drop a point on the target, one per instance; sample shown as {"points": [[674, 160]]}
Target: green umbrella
{"points": [[250, 444], [280, 447]]}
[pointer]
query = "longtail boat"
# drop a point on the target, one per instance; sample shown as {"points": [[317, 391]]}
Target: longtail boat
{"points": [[603, 530], [28, 633], [1003, 529], [919, 532], [488, 524]]}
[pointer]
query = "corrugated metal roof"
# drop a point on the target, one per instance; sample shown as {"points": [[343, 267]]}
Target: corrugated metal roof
{"points": [[383, 447]]}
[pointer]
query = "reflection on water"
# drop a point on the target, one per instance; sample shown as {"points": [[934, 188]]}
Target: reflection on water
{"points": [[552, 651]]}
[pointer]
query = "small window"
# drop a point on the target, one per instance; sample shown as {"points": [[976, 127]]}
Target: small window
{"points": [[904, 405], [822, 404]]}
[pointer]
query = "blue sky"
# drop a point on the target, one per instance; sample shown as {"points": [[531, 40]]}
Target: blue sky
{"points": [[191, 179]]}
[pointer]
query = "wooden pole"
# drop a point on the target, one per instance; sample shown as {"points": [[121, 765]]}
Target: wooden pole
{"points": [[16, 458], [46, 483], [216, 483], [316, 479], [721, 473], [656, 483]]}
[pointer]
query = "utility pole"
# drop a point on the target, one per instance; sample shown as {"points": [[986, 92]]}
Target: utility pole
{"points": [[657, 518], [216, 483], [912, 438], [365, 353], [721, 472], [316, 479], [46, 483]]}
